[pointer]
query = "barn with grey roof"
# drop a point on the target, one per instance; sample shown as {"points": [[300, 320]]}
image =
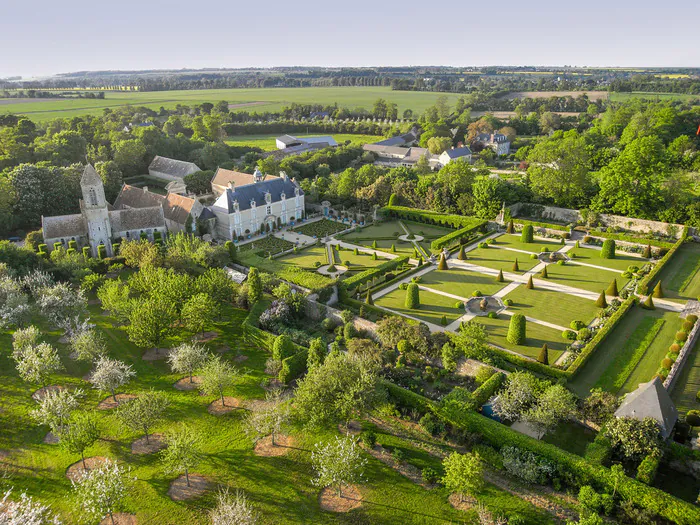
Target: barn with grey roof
{"points": [[171, 169]]}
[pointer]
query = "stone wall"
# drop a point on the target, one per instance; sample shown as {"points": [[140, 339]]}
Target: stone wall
{"points": [[318, 312], [566, 216]]}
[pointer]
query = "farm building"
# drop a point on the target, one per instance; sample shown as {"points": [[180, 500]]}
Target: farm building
{"points": [[98, 223], [171, 169], [288, 141], [263, 204], [393, 156]]}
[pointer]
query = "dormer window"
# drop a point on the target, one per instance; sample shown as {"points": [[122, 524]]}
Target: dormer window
{"points": [[236, 206], [283, 196]]}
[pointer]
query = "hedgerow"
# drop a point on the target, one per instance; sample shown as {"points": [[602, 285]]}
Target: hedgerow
{"points": [[380, 269], [537, 224], [630, 238]]}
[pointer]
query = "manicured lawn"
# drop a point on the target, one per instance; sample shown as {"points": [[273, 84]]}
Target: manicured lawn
{"points": [[620, 262], [267, 142], [571, 437], [380, 229], [305, 258], [680, 278], [500, 259], [400, 247], [361, 259], [461, 282], [584, 277], [267, 245], [426, 230], [537, 335], [433, 306], [606, 367], [554, 307], [650, 363], [513, 241], [688, 384]]}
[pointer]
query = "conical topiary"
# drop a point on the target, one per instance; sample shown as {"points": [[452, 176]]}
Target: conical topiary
{"points": [[393, 248], [443, 321], [442, 265], [658, 291], [516, 268], [562, 242], [500, 278], [612, 289], [576, 245], [530, 285], [374, 244], [647, 252], [369, 299], [374, 256], [462, 256], [601, 302], [355, 252], [648, 303], [510, 228], [543, 356]]}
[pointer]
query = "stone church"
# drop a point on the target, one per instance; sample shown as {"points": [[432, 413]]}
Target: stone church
{"points": [[98, 223]]}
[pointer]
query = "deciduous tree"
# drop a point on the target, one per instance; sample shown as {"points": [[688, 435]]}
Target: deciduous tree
{"points": [[337, 463]]}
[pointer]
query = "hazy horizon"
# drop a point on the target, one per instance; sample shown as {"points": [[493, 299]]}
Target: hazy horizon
{"points": [[45, 39]]}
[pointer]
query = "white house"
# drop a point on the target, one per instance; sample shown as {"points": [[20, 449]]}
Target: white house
{"points": [[97, 224], [221, 179], [498, 142], [264, 204], [451, 154], [171, 169]]}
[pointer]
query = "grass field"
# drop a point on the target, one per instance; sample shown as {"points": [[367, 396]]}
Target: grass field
{"points": [[432, 306], [500, 259], [607, 367], [620, 262], [265, 99], [584, 277], [267, 142], [537, 335], [680, 278], [621, 97], [538, 303], [460, 282]]}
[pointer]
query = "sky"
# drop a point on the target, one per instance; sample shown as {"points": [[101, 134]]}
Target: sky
{"points": [[42, 37]]}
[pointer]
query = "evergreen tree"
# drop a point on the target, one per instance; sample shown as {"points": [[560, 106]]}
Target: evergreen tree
{"points": [[530, 285], [500, 278], [543, 273], [658, 291], [649, 303], [412, 296], [647, 252], [601, 302], [527, 234], [608, 249], [516, 268], [368, 299], [516, 330], [462, 256], [543, 356], [612, 289], [442, 265], [510, 228], [254, 286]]}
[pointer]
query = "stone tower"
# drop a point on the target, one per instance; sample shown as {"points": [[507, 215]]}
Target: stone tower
{"points": [[94, 210]]}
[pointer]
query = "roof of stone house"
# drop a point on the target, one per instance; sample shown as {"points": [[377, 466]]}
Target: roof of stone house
{"points": [[650, 400], [172, 167], [223, 176], [63, 226], [137, 219], [90, 176], [206, 214], [257, 191], [455, 153], [175, 207]]}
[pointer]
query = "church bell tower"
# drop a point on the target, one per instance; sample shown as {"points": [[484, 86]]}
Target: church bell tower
{"points": [[94, 209]]}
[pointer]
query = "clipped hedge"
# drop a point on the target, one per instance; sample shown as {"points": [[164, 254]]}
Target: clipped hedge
{"points": [[630, 238], [646, 472], [600, 451], [294, 366], [600, 335], [463, 234], [643, 286], [368, 275], [488, 388], [498, 436], [431, 217]]}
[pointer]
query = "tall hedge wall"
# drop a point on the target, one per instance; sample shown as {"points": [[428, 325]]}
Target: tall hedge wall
{"points": [[381, 269], [643, 286]]}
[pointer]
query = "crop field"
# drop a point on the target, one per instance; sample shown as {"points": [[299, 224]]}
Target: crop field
{"points": [[267, 142], [260, 100], [621, 97]]}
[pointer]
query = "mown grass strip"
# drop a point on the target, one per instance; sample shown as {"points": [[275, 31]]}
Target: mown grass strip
{"points": [[631, 354]]}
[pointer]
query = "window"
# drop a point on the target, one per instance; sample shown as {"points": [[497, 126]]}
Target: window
{"points": [[269, 210], [93, 197]]}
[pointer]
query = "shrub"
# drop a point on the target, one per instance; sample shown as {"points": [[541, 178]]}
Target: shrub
{"points": [[477, 293], [674, 348], [282, 348], [349, 331], [510, 228], [431, 424], [544, 249], [369, 438], [462, 255], [646, 472], [331, 268], [658, 291], [584, 334], [530, 285], [459, 305], [368, 298], [687, 326], [577, 245], [692, 318], [500, 278], [569, 335], [586, 239], [533, 256], [483, 374], [403, 286], [648, 303], [492, 315], [483, 245], [543, 356], [561, 262], [516, 268], [608, 249], [489, 455], [527, 234], [412, 296], [681, 336], [528, 466], [508, 302], [443, 320], [666, 363], [647, 252], [612, 289], [317, 264], [430, 475], [601, 302], [517, 331], [543, 273]]}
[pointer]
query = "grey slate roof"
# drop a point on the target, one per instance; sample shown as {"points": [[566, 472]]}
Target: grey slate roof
{"points": [[256, 192], [64, 226], [650, 400], [137, 219], [175, 168], [175, 207], [455, 153], [207, 214]]}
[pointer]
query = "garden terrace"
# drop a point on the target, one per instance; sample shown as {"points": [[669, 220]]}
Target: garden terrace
{"points": [[631, 353], [584, 277], [552, 306], [592, 256], [266, 246], [432, 306], [513, 241], [499, 259], [537, 335], [461, 283], [680, 277], [321, 228]]}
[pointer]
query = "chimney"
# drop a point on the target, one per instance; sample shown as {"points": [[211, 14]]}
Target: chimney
{"points": [[231, 185], [283, 174], [145, 189]]}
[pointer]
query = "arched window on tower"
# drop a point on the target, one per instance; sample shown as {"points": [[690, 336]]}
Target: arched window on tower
{"points": [[93, 197]]}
